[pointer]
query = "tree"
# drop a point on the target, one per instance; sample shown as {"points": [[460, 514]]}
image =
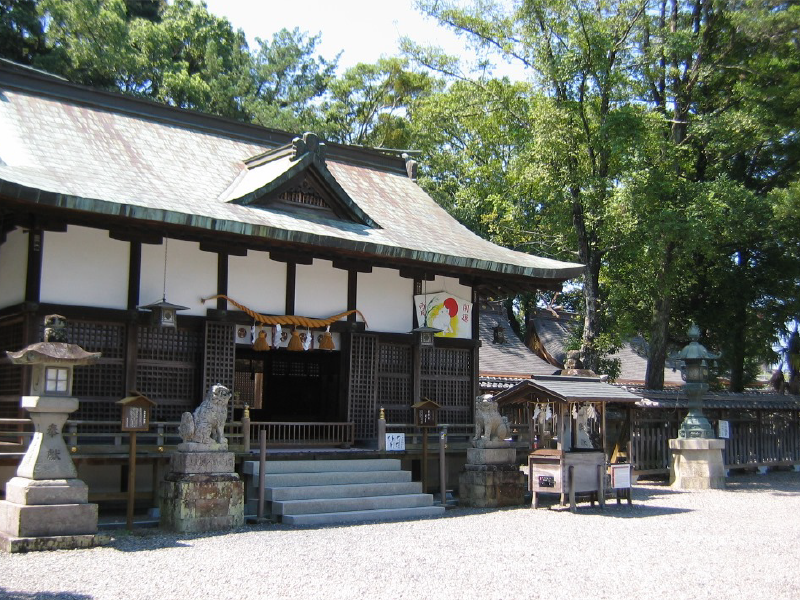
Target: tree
{"points": [[369, 104], [288, 80], [579, 55], [21, 32]]}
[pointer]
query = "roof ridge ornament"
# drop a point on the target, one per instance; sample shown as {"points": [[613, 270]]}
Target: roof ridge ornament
{"points": [[310, 142], [411, 166]]}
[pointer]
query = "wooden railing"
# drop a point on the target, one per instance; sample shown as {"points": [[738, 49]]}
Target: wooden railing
{"points": [[301, 434], [104, 436]]}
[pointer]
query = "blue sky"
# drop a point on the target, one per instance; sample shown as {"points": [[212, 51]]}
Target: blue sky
{"points": [[364, 30]]}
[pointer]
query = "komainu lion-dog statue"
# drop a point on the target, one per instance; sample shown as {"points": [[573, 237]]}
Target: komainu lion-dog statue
{"points": [[489, 425], [207, 424]]}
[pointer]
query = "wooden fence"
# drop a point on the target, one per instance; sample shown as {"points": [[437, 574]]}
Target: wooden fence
{"points": [[757, 438]]}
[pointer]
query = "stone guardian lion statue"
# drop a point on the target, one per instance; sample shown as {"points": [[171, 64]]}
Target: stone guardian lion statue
{"points": [[207, 425], [489, 425]]}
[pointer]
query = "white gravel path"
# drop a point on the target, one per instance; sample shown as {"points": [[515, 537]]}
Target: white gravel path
{"points": [[742, 542]]}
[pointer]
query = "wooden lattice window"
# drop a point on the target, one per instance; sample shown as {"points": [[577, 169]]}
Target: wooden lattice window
{"points": [[12, 337], [219, 361], [394, 382], [304, 194], [446, 378], [361, 402], [167, 368], [105, 379]]}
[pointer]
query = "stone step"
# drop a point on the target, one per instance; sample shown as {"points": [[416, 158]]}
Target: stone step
{"points": [[353, 490], [332, 478], [336, 505], [362, 516], [250, 467]]}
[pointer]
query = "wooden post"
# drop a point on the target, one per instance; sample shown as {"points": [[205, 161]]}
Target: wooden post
{"points": [[246, 429], [262, 466], [382, 431], [131, 481], [442, 465], [571, 483], [424, 460]]}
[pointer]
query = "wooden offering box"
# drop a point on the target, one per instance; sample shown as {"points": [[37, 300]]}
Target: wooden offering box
{"points": [[567, 474]]}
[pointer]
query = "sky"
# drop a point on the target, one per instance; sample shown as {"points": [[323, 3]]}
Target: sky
{"points": [[364, 30]]}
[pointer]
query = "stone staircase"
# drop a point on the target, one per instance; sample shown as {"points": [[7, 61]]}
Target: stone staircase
{"points": [[325, 492]]}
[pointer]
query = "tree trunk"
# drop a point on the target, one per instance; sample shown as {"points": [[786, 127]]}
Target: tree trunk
{"points": [[657, 357], [590, 257], [659, 328]]}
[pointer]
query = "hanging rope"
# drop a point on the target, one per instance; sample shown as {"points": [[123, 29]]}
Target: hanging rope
{"points": [[295, 320]]}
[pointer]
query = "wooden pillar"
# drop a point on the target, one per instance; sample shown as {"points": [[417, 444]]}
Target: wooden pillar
{"points": [[132, 325], [291, 284], [222, 280]]}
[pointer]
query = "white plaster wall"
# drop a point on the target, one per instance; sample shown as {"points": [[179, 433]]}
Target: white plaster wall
{"points": [[386, 300], [257, 282], [191, 275], [84, 267], [449, 285], [13, 268], [320, 290]]}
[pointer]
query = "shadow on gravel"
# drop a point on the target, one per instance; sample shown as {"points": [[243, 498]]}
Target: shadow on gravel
{"points": [[9, 595]]}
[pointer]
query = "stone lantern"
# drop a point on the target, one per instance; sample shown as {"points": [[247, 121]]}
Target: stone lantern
{"points": [[696, 461], [46, 505], [694, 371]]}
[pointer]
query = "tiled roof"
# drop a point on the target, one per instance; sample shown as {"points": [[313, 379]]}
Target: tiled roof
{"points": [[676, 398], [555, 329], [511, 358], [70, 147], [568, 389]]}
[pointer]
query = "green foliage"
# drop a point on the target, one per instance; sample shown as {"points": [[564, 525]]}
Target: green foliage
{"points": [[369, 104], [21, 32]]}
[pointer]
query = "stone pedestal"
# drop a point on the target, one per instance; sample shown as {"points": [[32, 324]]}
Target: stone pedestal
{"points": [[696, 464], [202, 493], [491, 479], [46, 506]]}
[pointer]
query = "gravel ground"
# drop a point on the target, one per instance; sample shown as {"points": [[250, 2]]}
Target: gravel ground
{"points": [[738, 542]]}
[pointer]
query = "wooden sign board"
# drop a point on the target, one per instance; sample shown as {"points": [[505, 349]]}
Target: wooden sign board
{"points": [[426, 413], [136, 413]]}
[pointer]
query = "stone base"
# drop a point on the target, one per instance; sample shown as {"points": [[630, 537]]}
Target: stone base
{"points": [[47, 520], [696, 464], [202, 462], [491, 456], [21, 490], [56, 542], [491, 486], [192, 502]]}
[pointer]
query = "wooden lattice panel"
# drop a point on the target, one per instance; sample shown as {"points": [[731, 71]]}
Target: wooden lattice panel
{"points": [[105, 379], [219, 362], [12, 337], [363, 370], [220, 355], [174, 382], [447, 379], [394, 382]]}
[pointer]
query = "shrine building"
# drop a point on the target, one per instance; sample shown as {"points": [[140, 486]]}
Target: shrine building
{"points": [[186, 248]]}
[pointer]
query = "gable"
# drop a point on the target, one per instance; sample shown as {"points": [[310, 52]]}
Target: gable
{"points": [[295, 179]]}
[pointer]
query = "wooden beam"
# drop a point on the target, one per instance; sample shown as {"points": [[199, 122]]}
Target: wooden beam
{"points": [[350, 265], [291, 258], [352, 294], [221, 248], [136, 235], [409, 273]]}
